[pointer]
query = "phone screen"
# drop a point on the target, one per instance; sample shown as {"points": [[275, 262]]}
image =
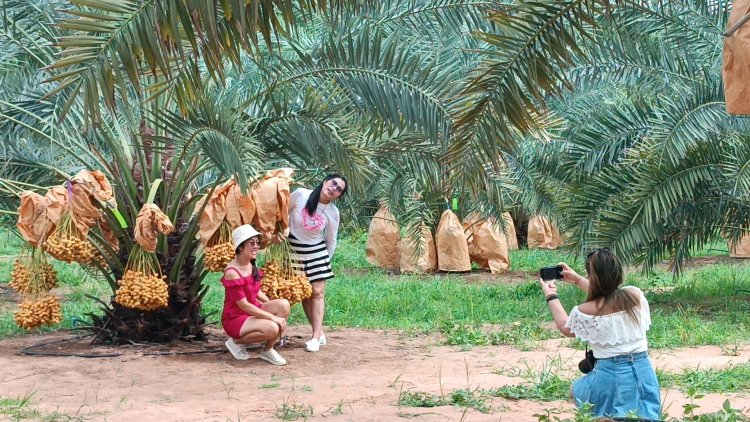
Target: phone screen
{"points": [[551, 273]]}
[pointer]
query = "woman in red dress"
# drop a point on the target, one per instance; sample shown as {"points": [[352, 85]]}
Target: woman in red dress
{"points": [[248, 315]]}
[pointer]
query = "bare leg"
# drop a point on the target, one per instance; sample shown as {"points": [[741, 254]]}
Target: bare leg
{"points": [[307, 307], [278, 307], [317, 308], [257, 330]]}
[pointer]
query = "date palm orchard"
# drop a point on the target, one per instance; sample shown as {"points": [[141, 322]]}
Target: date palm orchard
{"points": [[414, 101]]}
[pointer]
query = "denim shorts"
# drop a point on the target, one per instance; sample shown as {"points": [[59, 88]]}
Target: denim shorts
{"points": [[620, 386]]}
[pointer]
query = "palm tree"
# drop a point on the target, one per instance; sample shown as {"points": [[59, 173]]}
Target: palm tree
{"points": [[149, 149], [478, 118], [381, 96], [656, 168]]}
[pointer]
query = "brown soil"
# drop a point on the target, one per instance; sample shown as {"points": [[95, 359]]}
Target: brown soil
{"points": [[357, 377]]}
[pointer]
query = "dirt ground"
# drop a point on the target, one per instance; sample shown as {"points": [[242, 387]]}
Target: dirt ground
{"points": [[357, 377]]}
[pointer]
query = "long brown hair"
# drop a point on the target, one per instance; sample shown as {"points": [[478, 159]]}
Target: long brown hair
{"points": [[605, 277]]}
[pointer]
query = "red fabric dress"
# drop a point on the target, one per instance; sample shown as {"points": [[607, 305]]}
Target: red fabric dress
{"points": [[232, 317]]}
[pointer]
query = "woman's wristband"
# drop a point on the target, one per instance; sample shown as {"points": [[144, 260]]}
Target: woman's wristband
{"points": [[552, 297]]}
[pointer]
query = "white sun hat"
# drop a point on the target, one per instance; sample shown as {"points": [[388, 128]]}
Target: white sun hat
{"points": [[242, 233]]}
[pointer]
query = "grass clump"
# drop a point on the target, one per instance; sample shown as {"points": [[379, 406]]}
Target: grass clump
{"points": [[421, 399], [291, 410], [22, 408], [542, 385], [518, 334], [471, 399], [18, 408], [731, 379], [463, 398]]}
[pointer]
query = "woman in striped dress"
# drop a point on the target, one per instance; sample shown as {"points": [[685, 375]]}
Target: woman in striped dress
{"points": [[313, 226]]}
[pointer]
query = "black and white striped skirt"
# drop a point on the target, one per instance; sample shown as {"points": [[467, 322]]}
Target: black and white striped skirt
{"points": [[313, 260]]}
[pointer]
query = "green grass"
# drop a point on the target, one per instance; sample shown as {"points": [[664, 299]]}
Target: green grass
{"points": [[421, 399], [291, 409], [554, 388], [10, 242], [548, 389], [707, 306], [731, 379], [518, 334], [546, 384], [269, 386], [18, 408], [531, 260], [350, 253], [22, 408], [464, 398]]}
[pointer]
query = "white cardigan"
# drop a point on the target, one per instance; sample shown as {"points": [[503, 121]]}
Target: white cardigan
{"points": [[311, 230]]}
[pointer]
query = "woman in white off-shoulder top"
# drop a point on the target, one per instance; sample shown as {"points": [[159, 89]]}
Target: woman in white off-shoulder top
{"points": [[613, 322]]}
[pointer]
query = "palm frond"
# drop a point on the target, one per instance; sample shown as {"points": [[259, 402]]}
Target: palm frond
{"points": [[216, 131], [684, 122], [25, 33], [693, 26], [533, 43], [736, 164], [382, 76], [116, 41], [439, 17]]}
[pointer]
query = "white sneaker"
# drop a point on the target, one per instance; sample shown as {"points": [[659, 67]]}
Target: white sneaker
{"points": [[312, 345], [236, 350], [273, 357], [322, 340]]}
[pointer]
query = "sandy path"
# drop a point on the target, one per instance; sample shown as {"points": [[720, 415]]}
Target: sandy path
{"points": [[359, 373]]}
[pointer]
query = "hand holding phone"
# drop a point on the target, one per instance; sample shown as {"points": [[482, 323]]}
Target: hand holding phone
{"points": [[551, 273]]}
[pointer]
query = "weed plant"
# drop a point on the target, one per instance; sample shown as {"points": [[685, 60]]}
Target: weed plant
{"points": [[464, 398], [23, 408], [291, 409], [547, 384]]}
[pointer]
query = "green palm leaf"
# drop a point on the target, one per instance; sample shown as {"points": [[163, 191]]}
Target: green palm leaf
{"points": [[384, 77], [115, 41], [533, 42]]}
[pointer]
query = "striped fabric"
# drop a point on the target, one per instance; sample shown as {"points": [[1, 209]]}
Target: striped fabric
{"points": [[313, 260]]}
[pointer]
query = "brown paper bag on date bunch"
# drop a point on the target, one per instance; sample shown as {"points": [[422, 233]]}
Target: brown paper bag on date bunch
{"points": [[415, 261], [452, 247], [383, 237], [488, 246], [543, 234]]}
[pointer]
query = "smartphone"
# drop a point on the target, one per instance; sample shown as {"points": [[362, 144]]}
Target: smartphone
{"points": [[551, 273]]}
